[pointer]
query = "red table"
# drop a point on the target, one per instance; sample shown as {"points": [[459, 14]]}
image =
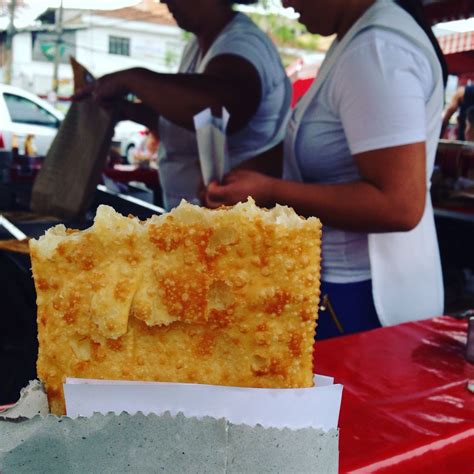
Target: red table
{"points": [[127, 173], [405, 406]]}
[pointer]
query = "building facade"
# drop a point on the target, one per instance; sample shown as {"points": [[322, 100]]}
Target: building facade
{"points": [[103, 41]]}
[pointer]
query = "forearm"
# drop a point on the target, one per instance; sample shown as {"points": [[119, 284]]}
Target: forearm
{"points": [[357, 206], [194, 93], [139, 113], [448, 113], [444, 124]]}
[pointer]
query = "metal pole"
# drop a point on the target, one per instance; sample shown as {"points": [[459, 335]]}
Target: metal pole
{"points": [[8, 71], [57, 53]]}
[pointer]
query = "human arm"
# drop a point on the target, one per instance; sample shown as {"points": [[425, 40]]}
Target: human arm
{"points": [[389, 197], [453, 105], [267, 164], [383, 119], [139, 113], [228, 81]]}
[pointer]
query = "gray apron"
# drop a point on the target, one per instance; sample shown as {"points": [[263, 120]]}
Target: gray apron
{"points": [[178, 159]]}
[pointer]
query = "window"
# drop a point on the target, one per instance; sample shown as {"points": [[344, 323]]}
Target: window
{"points": [[25, 111], [119, 45]]}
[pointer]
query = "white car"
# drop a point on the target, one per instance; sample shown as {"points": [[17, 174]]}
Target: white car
{"points": [[128, 137], [23, 113]]}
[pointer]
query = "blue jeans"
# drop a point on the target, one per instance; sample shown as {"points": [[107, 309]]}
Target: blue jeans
{"points": [[353, 305]]}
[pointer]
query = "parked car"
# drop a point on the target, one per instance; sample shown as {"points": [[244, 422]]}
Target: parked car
{"points": [[22, 114], [128, 137]]}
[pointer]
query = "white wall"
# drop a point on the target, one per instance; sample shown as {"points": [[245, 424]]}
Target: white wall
{"points": [[157, 47], [147, 49], [35, 76]]}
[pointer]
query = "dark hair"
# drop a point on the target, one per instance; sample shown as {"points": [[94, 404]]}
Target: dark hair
{"points": [[470, 115], [415, 9]]}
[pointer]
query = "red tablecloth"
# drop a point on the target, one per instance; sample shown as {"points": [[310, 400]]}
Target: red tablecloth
{"points": [[405, 406]]}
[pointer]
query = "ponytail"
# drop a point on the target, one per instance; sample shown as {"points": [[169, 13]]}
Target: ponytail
{"points": [[415, 9]]}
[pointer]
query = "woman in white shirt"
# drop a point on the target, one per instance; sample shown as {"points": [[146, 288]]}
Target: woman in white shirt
{"points": [[229, 62], [359, 153]]}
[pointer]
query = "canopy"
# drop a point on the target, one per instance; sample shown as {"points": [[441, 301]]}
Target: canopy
{"points": [[457, 42], [458, 49]]}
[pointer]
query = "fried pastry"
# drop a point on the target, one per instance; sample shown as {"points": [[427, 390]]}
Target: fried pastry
{"points": [[224, 297]]}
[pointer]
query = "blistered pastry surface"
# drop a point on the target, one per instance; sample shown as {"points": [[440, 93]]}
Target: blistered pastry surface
{"points": [[224, 297]]}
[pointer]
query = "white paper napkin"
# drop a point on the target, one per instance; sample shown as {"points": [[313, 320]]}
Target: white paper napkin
{"points": [[212, 145], [315, 407]]}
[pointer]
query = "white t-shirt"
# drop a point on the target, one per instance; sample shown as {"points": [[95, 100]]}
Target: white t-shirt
{"points": [[354, 113], [178, 160]]}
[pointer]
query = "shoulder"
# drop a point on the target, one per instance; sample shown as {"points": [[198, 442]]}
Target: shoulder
{"points": [[382, 55], [243, 22], [242, 28], [242, 37], [388, 46]]}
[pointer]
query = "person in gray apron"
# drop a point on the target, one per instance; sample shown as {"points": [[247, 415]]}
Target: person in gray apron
{"points": [[229, 62], [359, 154]]}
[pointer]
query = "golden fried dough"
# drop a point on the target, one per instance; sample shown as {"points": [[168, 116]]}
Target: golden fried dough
{"points": [[225, 297]]}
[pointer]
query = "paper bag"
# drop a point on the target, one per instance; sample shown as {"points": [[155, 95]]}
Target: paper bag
{"points": [[66, 184], [212, 145], [170, 442]]}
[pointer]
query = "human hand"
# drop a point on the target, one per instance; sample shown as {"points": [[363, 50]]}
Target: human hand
{"points": [[237, 186], [105, 90]]}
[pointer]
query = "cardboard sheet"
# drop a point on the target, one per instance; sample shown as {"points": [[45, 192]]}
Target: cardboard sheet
{"points": [[113, 444], [146, 444], [155, 443]]}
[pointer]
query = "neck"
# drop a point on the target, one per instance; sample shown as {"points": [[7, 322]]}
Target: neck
{"points": [[353, 9], [217, 22]]}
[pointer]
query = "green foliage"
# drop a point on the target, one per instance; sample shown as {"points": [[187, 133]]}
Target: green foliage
{"points": [[171, 58], [286, 32]]}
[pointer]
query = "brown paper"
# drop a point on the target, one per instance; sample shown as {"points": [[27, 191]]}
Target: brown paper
{"points": [[66, 183], [14, 245]]}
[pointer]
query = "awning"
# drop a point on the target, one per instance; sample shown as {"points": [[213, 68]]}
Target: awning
{"points": [[457, 42], [458, 49]]}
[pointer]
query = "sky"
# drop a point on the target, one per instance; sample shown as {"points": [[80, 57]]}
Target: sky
{"points": [[95, 4], [36, 7], [26, 15]]}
